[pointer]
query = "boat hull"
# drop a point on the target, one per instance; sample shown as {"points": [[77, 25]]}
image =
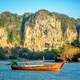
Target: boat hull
{"points": [[52, 67]]}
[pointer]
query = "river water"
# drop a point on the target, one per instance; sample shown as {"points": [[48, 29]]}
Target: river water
{"points": [[70, 71]]}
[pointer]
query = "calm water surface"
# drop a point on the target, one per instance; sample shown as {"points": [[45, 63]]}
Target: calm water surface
{"points": [[70, 71]]}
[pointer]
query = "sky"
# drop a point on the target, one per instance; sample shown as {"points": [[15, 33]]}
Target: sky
{"points": [[67, 7]]}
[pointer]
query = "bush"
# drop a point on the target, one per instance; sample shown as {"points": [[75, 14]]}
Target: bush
{"points": [[58, 51], [76, 43]]}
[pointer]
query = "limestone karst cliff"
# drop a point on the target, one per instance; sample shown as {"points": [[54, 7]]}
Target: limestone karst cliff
{"points": [[46, 30], [37, 31], [10, 26]]}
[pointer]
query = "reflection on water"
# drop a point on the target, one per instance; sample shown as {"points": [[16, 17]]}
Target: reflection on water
{"points": [[69, 71]]}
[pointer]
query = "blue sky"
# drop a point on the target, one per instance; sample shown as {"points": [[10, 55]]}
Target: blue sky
{"points": [[68, 7]]}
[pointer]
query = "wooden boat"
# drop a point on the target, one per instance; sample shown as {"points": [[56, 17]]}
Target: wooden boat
{"points": [[50, 67]]}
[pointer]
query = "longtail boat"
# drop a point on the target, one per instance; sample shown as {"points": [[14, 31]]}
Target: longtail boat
{"points": [[50, 67]]}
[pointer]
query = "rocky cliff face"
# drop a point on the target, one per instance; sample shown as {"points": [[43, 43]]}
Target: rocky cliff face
{"points": [[45, 30], [10, 26], [39, 31], [3, 37]]}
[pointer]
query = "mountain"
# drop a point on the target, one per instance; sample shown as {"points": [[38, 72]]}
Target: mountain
{"points": [[46, 30], [39, 31]]}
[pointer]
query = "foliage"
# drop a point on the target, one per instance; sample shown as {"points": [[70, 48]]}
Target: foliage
{"points": [[4, 54], [64, 27], [39, 55], [76, 43], [10, 37], [58, 51], [14, 62], [1, 52], [76, 57], [45, 50]]}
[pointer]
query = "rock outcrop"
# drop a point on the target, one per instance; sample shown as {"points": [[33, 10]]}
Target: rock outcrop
{"points": [[37, 32], [46, 30], [10, 26], [3, 37]]}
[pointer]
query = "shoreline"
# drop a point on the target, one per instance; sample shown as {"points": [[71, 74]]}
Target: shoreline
{"points": [[53, 61]]}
